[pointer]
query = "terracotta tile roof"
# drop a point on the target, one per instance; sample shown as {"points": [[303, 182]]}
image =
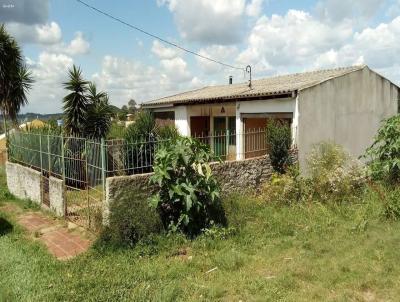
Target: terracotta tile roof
{"points": [[277, 85]]}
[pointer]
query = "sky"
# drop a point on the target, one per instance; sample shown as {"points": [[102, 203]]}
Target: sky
{"points": [[273, 36]]}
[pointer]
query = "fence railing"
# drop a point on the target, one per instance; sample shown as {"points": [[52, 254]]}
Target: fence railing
{"points": [[82, 162]]}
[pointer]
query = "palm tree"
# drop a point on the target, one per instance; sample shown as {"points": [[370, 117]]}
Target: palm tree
{"points": [[76, 103], [15, 78], [99, 114]]}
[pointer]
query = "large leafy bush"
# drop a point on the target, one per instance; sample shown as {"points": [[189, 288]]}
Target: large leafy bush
{"points": [[279, 140], [384, 154], [188, 198]]}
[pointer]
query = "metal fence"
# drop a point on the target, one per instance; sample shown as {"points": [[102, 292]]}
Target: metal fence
{"points": [[84, 164]]}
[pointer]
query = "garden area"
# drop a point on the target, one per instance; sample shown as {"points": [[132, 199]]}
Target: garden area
{"points": [[330, 235]]}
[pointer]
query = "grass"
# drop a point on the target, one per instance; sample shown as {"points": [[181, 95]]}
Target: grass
{"points": [[308, 252]]}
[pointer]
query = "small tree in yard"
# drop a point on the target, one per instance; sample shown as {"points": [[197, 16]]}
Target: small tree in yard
{"points": [[384, 154], [279, 141], [188, 198]]}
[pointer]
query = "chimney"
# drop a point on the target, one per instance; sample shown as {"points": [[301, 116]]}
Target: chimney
{"points": [[230, 80]]}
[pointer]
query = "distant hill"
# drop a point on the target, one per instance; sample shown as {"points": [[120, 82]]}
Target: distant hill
{"points": [[31, 116]]}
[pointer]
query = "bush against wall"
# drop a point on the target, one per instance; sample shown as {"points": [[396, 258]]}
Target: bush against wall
{"points": [[188, 198], [131, 219], [332, 176], [384, 154], [279, 141]]}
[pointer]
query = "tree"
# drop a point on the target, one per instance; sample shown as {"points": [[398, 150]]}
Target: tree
{"points": [[279, 141], [75, 103], [132, 106], [98, 121], [15, 78]]}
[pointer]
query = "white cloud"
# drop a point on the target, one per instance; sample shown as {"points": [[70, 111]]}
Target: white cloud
{"points": [[125, 79], [45, 34], [209, 21], [49, 72], [217, 52], [295, 39], [163, 52], [254, 8], [78, 45]]}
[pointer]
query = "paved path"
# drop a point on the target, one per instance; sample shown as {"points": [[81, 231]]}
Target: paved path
{"points": [[61, 241]]}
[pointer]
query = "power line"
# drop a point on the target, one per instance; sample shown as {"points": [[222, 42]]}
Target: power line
{"points": [[157, 37]]}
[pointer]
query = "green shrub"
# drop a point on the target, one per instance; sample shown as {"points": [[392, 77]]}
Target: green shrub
{"points": [[279, 141], [332, 176], [142, 139], [286, 188], [391, 205], [130, 220], [188, 198], [384, 154]]}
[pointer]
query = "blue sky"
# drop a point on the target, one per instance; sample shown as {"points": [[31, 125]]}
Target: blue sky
{"points": [[274, 36]]}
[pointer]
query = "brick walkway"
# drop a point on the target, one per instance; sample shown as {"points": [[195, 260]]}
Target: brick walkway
{"points": [[61, 242]]}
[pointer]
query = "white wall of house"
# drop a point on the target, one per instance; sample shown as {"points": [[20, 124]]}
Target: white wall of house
{"points": [[181, 120], [287, 105], [347, 111]]}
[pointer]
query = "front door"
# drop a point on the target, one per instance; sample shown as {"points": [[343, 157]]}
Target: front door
{"points": [[200, 128]]}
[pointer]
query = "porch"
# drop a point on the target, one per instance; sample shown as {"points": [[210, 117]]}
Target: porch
{"points": [[234, 130]]}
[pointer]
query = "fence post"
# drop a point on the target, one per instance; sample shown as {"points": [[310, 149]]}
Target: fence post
{"points": [[48, 154], [103, 165], [87, 183], [40, 154]]}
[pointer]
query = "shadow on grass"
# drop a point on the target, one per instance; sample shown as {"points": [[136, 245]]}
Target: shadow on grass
{"points": [[5, 227]]}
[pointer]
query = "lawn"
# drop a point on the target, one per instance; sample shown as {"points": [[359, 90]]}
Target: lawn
{"points": [[270, 253]]}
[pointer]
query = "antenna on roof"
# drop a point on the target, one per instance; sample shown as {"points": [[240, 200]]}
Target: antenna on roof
{"points": [[248, 70]]}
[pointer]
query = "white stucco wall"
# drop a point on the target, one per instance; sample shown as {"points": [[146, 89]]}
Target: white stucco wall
{"points": [[345, 110], [181, 120]]}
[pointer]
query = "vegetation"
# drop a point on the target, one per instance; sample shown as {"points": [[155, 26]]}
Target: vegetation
{"points": [[332, 176], [188, 198], [279, 141], [142, 139], [303, 252], [384, 154], [86, 111], [15, 78]]}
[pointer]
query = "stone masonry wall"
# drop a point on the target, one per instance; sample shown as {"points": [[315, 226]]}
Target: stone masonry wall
{"points": [[56, 196], [239, 176], [234, 176], [23, 182]]}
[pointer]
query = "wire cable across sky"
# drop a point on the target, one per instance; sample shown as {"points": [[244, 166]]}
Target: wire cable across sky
{"points": [[157, 37]]}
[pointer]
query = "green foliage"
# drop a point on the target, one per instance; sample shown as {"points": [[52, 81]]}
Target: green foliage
{"points": [[384, 154], [75, 103], [15, 78], [131, 219], [391, 205], [143, 129], [87, 112], [279, 141], [332, 177], [98, 121], [116, 131], [188, 198]]}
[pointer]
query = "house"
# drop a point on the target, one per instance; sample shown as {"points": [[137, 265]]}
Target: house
{"points": [[344, 105]]}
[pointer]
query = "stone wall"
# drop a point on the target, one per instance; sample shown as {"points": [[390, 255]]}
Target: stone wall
{"points": [[233, 176], [243, 175], [120, 186], [23, 182], [56, 196]]}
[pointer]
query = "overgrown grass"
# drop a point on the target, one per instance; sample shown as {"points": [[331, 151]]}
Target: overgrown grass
{"points": [[303, 252]]}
